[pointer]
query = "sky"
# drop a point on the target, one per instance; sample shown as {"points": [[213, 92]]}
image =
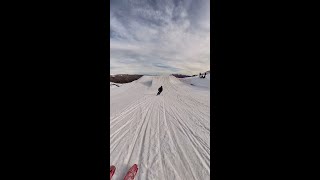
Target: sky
{"points": [[159, 36]]}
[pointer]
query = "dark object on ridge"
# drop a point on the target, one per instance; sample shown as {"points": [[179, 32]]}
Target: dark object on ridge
{"points": [[159, 90], [180, 75], [115, 85]]}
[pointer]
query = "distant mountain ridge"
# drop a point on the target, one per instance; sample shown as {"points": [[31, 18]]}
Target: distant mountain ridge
{"points": [[124, 78], [180, 75], [127, 78]]}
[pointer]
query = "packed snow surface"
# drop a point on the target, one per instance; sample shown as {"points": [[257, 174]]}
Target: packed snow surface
{"points": [[168, 136]]}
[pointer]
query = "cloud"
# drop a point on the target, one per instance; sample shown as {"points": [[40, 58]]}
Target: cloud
{"points": [[158, 37]]}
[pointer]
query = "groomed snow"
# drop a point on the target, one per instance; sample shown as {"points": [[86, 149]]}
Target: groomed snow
{"points": [[168, 136]]}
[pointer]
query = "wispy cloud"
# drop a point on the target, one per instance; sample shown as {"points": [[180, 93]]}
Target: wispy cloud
{"points": [[158, 37]]}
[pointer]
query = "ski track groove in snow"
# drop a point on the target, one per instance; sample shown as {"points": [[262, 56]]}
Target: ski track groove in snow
{"points": [[159, 144], [181, 153], [168, 136], [136, 137], [192, 138]]}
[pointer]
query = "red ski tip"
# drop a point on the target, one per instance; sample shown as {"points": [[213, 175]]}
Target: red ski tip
{"points": [[132, 172], [112, 170]]}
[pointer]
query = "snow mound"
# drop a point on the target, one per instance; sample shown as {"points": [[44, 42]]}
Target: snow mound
{"points": [[198, 82]]}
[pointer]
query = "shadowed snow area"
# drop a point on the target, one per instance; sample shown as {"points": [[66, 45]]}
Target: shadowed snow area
{"points": [[168, 136]]}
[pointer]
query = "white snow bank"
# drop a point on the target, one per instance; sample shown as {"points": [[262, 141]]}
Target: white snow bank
{"points": [[198, 82]]}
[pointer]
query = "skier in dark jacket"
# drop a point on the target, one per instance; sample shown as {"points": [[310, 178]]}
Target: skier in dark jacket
{"points": [[159, 90]]}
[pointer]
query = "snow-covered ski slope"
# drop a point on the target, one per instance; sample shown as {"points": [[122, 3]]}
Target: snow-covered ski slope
{"points": [[168, 136]]}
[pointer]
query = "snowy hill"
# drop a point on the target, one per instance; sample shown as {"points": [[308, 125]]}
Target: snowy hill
{"points": [[197, 81], [168, 136]]}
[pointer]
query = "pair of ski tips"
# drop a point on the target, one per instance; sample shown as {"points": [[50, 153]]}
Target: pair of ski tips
{"points": [[130, 174]]}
